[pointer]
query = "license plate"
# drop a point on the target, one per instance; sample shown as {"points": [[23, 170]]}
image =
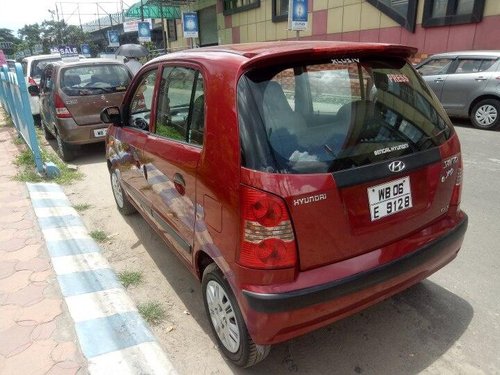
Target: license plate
{"points": [[389, 198], [100, 132]]}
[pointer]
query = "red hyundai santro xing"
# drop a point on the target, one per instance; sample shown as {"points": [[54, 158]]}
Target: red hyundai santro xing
{"points": [[300, 182]]}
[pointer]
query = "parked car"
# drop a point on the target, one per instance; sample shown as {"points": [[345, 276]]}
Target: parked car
{"points": [[72, 95], [33, 67], [467, 84], [293, 210]]}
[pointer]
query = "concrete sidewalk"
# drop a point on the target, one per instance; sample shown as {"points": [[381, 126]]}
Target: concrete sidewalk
{"points": [[37, 335]]}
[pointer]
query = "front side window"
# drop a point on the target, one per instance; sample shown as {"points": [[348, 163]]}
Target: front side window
{"points": [[452, 12], [236, 6], [181, 105], [336, 115], [435, 66], [37, 67], [139, 110]]}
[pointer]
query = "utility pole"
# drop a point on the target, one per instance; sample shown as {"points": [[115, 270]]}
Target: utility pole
{"points": [[142, 11], [59, 26]]}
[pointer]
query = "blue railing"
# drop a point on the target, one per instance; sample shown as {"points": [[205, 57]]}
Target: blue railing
{"points": [[15, 100]]}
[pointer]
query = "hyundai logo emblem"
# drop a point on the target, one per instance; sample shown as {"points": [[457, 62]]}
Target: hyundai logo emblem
{"points": [[397, 166]]}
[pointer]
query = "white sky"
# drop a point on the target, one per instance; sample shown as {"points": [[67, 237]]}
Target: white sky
{"points": [[14, 14]]}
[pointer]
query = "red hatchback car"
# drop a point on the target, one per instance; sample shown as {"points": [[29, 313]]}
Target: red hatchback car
{"points": [[299, 181]]}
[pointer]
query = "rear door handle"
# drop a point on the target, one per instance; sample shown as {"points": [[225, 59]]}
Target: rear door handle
{"points": [[480, 79], [438, 80]]}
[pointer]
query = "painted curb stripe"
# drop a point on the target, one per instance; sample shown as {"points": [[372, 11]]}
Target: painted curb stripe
{"points": [[76, 283], [60, 221], [104, 335], [148, 357], [79, 263], [65, 233], [42, 212], [99, 304], [71, 247], [113, 336]]}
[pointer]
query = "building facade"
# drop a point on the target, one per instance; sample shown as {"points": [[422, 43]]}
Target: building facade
{"points": [[430, 25]]}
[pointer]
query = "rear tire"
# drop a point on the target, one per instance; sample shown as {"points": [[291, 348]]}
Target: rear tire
{"points": [[227, 322], [121, 199], [486, 114], [46, 132], [66, 151]]}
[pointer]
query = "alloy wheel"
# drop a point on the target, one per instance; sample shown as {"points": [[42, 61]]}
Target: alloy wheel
{"points": [[223, 316], [486, 115]]}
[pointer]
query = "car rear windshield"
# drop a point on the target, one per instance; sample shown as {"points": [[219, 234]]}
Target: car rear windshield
{"points": [[37, 66], [336, 114], [94, 79]]}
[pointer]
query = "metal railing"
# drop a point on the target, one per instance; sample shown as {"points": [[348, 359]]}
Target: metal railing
{"points": [[15, 100]]}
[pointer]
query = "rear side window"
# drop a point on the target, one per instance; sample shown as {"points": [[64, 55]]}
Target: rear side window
{"points": [[181, 105], [336, 115], [94, 79]]}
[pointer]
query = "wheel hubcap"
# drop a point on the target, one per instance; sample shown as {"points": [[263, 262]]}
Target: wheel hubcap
{"points": [[486, 115], [223, 316], [117, 189]]}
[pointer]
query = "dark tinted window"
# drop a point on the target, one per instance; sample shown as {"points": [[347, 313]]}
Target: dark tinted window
{"points": [[336, 115]]}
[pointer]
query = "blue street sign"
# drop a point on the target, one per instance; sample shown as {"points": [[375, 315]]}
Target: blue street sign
{"points": [[113, 38], [190, 24], [144, 31], [297, 15]]}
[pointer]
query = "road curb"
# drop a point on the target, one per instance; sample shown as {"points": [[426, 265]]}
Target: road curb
{"points": [[113, 336]]}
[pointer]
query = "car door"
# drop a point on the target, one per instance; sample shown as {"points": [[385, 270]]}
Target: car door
{"points": [[128, 144], [47, 107], [172, 151], [464, 84], [434, 72]]}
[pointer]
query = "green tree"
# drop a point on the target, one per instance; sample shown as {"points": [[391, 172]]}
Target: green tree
{"points": [[30, 36]]}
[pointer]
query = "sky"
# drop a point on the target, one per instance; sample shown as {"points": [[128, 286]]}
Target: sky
{"points": [[15, 14]]}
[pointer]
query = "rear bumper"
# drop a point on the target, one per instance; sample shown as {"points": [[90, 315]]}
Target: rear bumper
{"points": [[79, 134], [275, 317]]}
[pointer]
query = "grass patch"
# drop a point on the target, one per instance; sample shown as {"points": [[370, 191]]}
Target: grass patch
{"points": [[99, 235], [82, 206], [152, 312], [128, 278]]}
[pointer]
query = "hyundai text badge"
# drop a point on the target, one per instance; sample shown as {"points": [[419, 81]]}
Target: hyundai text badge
{"points": [[397, 166]]}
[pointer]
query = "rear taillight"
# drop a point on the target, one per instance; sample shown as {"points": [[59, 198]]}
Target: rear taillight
{"points": [[61, 110], [267, 239], [32, 82], [457, 187]]}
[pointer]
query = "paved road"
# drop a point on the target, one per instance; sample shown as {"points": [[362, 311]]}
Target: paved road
{"points": [[448, 324]]}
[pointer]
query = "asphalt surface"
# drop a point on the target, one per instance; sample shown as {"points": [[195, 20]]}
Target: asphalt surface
{"points": [[447, 324]]}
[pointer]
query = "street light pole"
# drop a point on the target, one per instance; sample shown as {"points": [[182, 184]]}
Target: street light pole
{"points": [[142, 11]]}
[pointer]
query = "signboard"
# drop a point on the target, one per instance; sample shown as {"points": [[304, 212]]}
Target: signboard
{"points": [[85, 48], [6, 45], [38, 48], [190, 24], [144, 32], [297, 15], [132, 26], [113, 38]]}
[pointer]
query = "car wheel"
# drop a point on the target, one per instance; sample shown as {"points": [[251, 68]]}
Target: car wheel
{"points": [[227, 321], [65, 150], [486, 114], [122, 202], [46, 132]]}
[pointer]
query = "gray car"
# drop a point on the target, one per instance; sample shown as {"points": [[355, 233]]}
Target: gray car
{"points": [[467, 84]]}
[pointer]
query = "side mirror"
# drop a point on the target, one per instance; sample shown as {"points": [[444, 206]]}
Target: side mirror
{"points": [[111, 115], [33, 90]]}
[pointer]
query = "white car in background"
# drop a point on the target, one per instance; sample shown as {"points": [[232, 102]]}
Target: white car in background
{"points": [[32, 68]]}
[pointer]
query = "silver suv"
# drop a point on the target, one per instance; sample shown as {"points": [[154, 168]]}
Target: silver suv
{"points": [[467, 84]]}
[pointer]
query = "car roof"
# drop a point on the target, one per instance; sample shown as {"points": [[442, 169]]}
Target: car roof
{"points": [[252, 53], [42, 57], [87, 62], [487, 53]]}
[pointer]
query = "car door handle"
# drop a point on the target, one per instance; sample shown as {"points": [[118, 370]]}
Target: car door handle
{"points": [[438, 80], [180, 183], [480, 79]]}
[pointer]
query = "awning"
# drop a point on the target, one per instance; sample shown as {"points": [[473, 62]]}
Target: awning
{"points": [[153, 11]]}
